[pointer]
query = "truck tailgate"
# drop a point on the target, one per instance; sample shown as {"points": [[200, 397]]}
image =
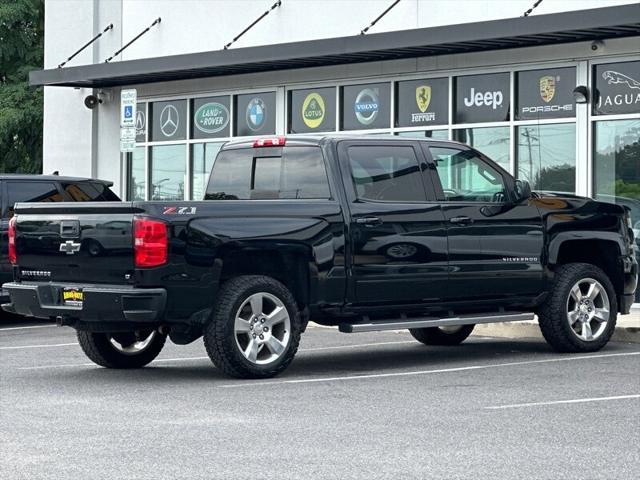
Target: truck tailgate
{"points": [[78, 242]]}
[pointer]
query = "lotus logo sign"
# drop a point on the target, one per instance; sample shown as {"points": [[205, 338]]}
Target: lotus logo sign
{"points": [[211, 117]]}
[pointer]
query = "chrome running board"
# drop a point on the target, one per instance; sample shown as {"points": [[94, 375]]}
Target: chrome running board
{"points": [[425, 322]]}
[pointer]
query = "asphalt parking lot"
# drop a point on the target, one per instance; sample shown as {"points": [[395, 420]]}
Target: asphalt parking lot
{"points": [[350, 406]]}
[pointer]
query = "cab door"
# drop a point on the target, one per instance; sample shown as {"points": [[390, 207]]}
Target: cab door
{"points": [[495, 245], [397, 235]]}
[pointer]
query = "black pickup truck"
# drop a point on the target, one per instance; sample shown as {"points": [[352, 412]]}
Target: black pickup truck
{"points": [[366, 233]]}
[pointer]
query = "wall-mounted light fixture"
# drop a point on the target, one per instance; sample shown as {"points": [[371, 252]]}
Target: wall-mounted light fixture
{"points": [[581, 94]]}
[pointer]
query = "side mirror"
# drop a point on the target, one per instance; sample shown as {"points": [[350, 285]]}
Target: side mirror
{"points": [[522, 190]]}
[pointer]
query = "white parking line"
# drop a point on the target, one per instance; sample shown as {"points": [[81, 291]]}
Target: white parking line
{"points": [[27, 328], [423, 372], [18, 347], [558, 402], [184, 359]]}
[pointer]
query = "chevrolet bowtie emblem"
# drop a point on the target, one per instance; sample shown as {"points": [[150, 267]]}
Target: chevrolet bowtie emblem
{"points": [[69, 247]]}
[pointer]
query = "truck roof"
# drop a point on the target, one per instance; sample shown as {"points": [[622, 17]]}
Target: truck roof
{"points": [[301, 140], [59, 178]]}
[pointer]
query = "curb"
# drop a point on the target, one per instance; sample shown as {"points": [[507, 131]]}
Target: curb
{"points": [[627, 331]]}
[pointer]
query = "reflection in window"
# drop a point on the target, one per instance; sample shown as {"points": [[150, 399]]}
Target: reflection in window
{"points": [[492, 141], [432, 134], [386, 173], [30, 192], [616, 168], [136, 175], [467, 178], [546, 156], [203, 156], [168, 172]]}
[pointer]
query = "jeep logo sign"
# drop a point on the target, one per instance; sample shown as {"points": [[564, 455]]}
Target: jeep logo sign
{"points": [[492, 99], [482, 98]]}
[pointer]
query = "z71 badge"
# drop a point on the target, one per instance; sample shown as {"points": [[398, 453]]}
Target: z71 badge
{"points": [[179, 211]]}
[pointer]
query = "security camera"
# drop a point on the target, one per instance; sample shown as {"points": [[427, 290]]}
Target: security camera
{"points": [[91, 101], [597, 45]]}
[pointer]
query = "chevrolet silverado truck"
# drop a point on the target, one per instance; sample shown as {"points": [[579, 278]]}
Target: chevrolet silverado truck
{"points": [[362, 233]]}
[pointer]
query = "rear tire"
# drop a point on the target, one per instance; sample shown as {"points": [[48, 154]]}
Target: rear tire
{"points": [[121, 350], [579, 315], [255, 328], [442, 335]]}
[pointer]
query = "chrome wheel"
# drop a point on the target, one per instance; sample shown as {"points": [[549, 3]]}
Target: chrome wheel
{"points": [[588, 310], [123, 343], [262, 328]]}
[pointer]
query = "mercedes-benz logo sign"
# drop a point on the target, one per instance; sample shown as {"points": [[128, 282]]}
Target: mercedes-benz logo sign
{"points": [[169, 121]]}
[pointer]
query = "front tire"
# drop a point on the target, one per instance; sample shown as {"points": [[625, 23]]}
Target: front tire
{"points": [[121, 350], [255, 328], [442, 335], [580, 313]]}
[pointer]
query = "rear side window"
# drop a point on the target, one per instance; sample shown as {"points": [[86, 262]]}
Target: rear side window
{"points": [[257, 174], [89, 192], [31, 192], [386, 173]]}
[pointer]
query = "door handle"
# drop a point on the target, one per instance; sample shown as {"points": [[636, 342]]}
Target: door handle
{"points": [[461, 220], [368, 221]]}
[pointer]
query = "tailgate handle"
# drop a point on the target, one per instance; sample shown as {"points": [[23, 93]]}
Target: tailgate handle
{"points": [[70, 228]]}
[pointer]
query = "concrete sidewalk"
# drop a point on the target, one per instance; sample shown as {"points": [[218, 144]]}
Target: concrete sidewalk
{"points": [[627, 329]]}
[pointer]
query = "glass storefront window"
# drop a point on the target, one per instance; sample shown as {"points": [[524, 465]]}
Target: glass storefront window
{"points": [[492, 141], [616, 167], [136, 175], [168, 172], [203, 155], [546, 156], [432, 134]]}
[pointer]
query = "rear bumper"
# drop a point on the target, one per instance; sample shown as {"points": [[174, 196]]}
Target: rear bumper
{"points": [[102, 303]]}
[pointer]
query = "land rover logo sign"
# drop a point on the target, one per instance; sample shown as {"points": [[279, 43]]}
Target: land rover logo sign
{"points": [[256, 113], [313, 110], [211, 117], [366, 106], [169, 121]]}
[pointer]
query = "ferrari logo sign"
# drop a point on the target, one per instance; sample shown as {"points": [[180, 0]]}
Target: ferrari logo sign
{"points": [[423, 97], [547, 88]]}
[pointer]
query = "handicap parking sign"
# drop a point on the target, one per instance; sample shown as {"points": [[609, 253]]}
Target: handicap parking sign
{"points": [[128, 111]]}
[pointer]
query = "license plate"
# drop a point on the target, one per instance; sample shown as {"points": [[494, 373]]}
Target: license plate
{"points": [[72, 297]]}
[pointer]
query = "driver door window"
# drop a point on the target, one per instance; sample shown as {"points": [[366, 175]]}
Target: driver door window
{"points": [[386, 173], [467, 178]]}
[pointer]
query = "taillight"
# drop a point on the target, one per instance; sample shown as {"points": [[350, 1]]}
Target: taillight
{"points": [[150, 242], [13, 256], [269, 142]]}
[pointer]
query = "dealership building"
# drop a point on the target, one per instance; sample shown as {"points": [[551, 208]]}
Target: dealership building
{"points": [[553, 96]]}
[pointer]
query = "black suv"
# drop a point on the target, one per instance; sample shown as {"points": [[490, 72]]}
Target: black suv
{"points": [[42, 188]]}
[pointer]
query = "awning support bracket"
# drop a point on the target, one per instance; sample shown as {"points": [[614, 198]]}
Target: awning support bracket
{"points": [[274, 6], [155, 22], [107, 28], [366, 29]]}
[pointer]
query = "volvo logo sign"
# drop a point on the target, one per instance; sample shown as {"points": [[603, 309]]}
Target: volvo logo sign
{"points": [[366, 106], [169, 121], [69, 247]]}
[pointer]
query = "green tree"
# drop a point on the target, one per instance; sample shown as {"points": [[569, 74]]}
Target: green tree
{"points": [[21, 50]]}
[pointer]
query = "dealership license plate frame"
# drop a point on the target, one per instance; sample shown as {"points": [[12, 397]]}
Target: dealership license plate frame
{"points": [[72, 297]]}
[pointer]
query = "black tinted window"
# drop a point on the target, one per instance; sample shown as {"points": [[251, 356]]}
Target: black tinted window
{"points": [[31, 192], [257, 174], [386, 173], [89, 192]]}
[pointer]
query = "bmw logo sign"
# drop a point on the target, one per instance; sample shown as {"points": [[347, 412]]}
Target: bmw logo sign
{"points": [[256, 113], [366, 106]]}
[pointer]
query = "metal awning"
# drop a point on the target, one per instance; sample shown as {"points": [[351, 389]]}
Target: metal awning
{"points": [[584, 25]]}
